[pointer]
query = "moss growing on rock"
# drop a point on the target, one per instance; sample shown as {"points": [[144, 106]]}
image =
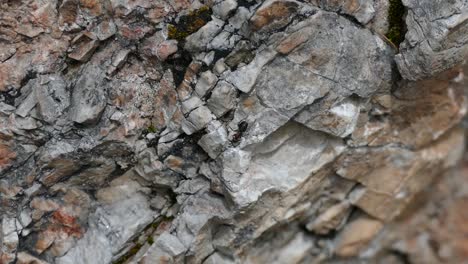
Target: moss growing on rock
{"points": [[189, 24], [132, 252], [396, 28]]}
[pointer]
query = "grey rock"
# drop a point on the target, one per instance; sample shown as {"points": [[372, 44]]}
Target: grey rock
{"points": [[200, 39], [215, 140], [124, 210], [190, 104], [27, 105], [105, 30], [205, 83], [270, 168], [339, 119], [88, 97], [362, 10], [436, 39], [52, 97], [223, 98], [244, 78], [197, 120], [222, 8], [217, 258]]}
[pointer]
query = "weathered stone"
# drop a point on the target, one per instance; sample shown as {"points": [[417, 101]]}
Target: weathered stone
{"points": [[273, 15], [190, 104], [356, 236], [88, 97], [205, 83], [105, 30], [200, 39], [436, 39], [331, 219], [52, 97], [222, 8], [25, 258], [269, 166], [84, 49], [362, 10], [222, 99], [214, 142], [197, 120], [227, 131], [166, 102], [339, 119]]}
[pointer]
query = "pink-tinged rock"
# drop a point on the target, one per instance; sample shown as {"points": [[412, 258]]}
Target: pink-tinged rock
{"points": [[166, 101], [166, 49], [43, 204], [105, 30], [26, 258], [44, 241], [83, 48], [7, 155]]}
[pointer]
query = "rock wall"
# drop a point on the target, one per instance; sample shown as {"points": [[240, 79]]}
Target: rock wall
{"points": [[225, 131]]}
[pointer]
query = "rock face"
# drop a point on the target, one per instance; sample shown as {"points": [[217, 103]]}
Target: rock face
{"points": [[227, 131]]}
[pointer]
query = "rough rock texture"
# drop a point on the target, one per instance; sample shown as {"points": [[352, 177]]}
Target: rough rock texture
{"points": [[226, 131]]}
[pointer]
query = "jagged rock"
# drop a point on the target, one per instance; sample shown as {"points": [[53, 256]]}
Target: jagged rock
{"points": [[197, 119], [88, 97], [222, 99], [222, 8], [105, 30], [25, 258], [215, 140], [84, 48], [331, 219], [436, 39], [52, 97], [356, 235], [224, 131], [205, 83], [199, 40]]}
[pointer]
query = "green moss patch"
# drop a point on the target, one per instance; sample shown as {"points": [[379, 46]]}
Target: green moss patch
{"points": [[189, 24]]}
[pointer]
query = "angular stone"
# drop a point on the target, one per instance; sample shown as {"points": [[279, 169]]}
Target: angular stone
{"points": [[213, 142], [200, 39], [26, 258], [338, 119], [222, 8], [205, 83], [362, 10], [356, 236], [217, 258], [222, 99], [165, 101], [190, 104], [197, 120], [273, 15], [88, 99], [271, 166], [84, 49], [332, 219], [52, 97], [27, 105], [245, 77], [436, 39], [105, 30]]}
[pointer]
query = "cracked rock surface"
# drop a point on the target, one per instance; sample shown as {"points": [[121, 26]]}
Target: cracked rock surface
{"points": [[229, 131]]}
